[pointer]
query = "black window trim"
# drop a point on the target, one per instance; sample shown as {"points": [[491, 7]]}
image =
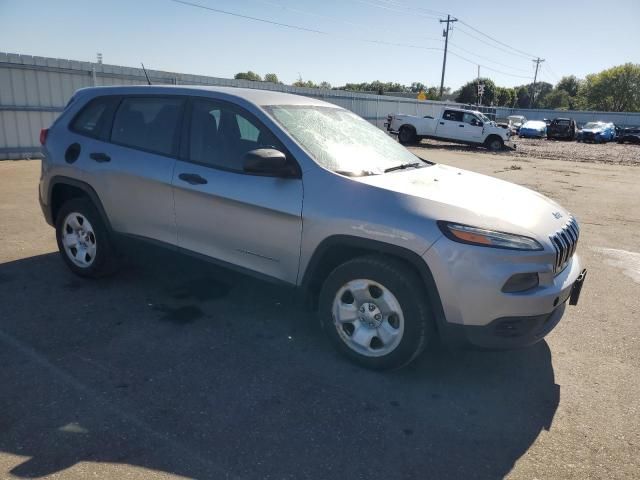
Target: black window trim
{"points": [[175, 149], [185, 152]]}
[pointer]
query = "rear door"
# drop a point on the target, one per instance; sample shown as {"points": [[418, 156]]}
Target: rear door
{"points": [[450, 125], [132, 173], [250, 221]]}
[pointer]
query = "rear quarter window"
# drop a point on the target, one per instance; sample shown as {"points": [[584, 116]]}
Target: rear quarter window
{"points": [[94, 119]]}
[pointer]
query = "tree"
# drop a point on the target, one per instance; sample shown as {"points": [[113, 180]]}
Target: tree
{"points": [[505, 97], [522, 97], [469, 92], [325, 85], [542, 89], [570, 84], [417, 87], [616, 89], [557, 99], [248, 76], [271, 77], [303, 83]]}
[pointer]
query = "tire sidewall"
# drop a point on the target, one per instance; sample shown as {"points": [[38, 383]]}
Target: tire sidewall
{"points": [[103, 246], [418, 325]]}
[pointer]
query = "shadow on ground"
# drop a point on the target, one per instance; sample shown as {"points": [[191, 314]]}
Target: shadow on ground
{"points": [[183, 368]]}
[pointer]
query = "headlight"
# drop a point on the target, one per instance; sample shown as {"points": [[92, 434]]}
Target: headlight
{"points": [[487, 238]]}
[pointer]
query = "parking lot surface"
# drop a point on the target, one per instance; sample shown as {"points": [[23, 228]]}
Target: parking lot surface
{"points": [[177, 369]]}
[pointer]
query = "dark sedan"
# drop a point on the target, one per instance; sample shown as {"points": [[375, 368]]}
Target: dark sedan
{"points": [[631, 135]]}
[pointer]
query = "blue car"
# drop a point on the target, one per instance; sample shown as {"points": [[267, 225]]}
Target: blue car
{"points": [[597, 132], [533, 129]]}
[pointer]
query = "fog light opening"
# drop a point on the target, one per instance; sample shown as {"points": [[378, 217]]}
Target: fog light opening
{"points": [[521, 282]]}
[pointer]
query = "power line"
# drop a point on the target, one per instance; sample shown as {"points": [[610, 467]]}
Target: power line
{"points": [[335, 19], [488, 68], [488, 59], [256, 19], [305, 29], [504, 50], [388, 7], [497, 41]]}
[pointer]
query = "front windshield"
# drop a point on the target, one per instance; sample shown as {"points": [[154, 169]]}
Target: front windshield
{"points": [[593, 125], [341, 141], [483, 117]]}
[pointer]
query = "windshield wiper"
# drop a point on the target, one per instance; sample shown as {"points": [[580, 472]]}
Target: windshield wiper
{"points": [[402, 166]]}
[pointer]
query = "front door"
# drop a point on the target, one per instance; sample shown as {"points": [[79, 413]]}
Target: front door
{"points": [[250, 221]]}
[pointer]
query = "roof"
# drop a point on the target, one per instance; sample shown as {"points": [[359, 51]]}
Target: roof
{"points": [[252, 95]]}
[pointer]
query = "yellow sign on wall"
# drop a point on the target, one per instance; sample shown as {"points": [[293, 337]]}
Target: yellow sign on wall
{"points": [[422, 95]]}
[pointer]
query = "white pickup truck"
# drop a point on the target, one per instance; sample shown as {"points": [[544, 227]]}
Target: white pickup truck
{"points": [[456, 125]]}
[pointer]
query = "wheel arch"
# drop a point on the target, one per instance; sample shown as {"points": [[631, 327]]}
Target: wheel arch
{"points": [[62, 189], [337, 249]]}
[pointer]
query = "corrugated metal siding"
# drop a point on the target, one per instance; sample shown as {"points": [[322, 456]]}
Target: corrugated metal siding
{"points": [[33, 90]]}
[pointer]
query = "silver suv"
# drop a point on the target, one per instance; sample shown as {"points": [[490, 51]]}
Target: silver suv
{"points": [[391, 249]]}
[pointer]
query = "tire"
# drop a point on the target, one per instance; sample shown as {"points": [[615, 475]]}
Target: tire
{"points": [[407, 135], [392, 319], [494, 143], [79, 221]]}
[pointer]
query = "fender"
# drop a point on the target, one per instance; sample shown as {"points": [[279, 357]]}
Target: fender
{"points": [[365, 245], [85, 187]]}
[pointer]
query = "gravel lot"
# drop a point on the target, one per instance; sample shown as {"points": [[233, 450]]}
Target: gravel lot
{"points": [[176, 369], [529, 148]]}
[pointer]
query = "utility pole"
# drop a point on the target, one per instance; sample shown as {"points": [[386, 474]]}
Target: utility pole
{"points": [[445, 34], [538, 61], [478, 87]]}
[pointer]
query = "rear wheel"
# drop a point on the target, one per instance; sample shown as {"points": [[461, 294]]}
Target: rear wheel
{"points": [[83, 240], [407, 135], [375, 311]]}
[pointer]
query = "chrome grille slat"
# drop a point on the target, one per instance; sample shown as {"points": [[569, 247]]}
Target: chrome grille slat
{"points": [[565, 242]]}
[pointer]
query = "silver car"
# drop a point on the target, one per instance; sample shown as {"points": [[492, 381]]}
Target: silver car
{"points": [[392, 250]]}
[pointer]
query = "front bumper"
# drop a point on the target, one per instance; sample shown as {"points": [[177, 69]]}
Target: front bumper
{"points": [[469, 281]]}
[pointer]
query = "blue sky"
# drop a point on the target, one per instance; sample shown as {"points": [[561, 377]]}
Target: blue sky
{"points": [[574, 37]]}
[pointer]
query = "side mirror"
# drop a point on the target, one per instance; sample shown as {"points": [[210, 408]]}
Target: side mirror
{"points": [[268, 162]]}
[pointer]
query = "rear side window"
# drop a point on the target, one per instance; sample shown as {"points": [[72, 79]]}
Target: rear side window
{"points": [[94, 120], [148, 123], [452, 115]]}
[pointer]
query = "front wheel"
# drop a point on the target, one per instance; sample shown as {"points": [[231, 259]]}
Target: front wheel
{"points": [[375, 311], [494, 144], [83, 240]]}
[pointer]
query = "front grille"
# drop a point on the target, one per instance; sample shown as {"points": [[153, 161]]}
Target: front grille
{"points": [[565, 242]]}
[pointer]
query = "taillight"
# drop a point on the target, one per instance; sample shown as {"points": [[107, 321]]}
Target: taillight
{"points": [[43, 135]]}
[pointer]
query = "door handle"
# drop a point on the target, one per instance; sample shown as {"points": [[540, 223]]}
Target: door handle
{"points": [[192, 178], [461, 126], [441, 123], [100, 157]]}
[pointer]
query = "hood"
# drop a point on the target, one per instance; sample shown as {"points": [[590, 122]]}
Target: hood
{"points": [[440, 192]]}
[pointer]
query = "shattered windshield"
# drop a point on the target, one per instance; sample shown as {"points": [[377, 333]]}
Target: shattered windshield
{"points": [[341, 141]]}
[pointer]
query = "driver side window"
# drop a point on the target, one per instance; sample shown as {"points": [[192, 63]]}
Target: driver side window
{"points": [[220, 135], [471, 119]]}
